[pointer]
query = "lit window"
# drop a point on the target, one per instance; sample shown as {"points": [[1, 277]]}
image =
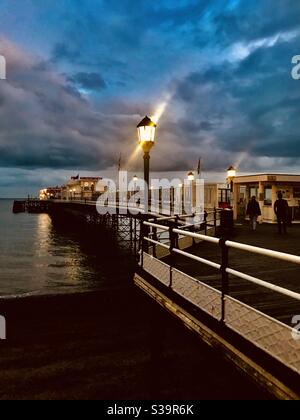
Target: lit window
{"points": [[268, 196]]}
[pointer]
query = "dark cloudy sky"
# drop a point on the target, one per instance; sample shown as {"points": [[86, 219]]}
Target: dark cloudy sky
{"points": [[81, 74]]}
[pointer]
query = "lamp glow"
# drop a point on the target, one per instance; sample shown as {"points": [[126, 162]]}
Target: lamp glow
{"points": [[191, 176], [146, 133], [231, 172]]}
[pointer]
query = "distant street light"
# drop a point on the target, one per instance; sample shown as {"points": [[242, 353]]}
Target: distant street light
{"points": [[191, 176], [135, 180], [146, 133], [231, 174]]}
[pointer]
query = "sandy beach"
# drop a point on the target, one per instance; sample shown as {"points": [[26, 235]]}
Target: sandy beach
{"points": [[98, 346]]}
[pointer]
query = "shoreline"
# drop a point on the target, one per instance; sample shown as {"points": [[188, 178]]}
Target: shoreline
{"points": [[100, 345], [44, 295]]}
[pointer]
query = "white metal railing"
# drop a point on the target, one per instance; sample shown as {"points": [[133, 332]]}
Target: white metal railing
{"points": [[265, 332], [235, 245], [265, 252], [202, 221], [198, 259]]}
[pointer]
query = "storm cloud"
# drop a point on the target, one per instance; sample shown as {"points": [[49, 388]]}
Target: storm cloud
{"points": [[221, 70]]}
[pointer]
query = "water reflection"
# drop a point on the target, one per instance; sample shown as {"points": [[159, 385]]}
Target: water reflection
{"points": [[42, 255], [42, 234]]}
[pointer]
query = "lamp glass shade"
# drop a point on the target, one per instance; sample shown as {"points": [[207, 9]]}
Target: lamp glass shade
{"points": [[146, 131], [191, 176], [231, 172]]}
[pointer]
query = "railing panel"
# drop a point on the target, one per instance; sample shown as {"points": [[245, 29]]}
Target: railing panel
{"points": [[197, 293], [265, 332], [157, 269]]}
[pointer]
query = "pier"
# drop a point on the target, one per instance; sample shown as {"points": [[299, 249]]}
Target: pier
{"points": [[153, 248], [248, 319], [234, 293]]}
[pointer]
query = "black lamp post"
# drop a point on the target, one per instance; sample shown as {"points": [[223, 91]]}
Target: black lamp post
{"points": [[146, 132], [231, 174]]}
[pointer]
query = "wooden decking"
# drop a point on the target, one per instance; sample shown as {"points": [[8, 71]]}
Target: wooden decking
{"points": [[283, 274]]}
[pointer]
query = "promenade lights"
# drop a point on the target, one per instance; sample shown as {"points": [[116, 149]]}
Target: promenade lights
{"points": [[146, 134], [191, 176], [231, 174]]}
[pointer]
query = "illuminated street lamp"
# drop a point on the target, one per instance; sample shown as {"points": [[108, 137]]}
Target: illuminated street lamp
{"points": [[231, 174], [135, 180], [146, 132], [191, 176]]}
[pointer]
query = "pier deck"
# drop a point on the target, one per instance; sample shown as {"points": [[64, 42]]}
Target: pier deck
{"points": [[239, 295], [280, 273]]}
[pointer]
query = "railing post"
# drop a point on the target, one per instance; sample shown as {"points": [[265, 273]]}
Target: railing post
{"points": [[142, 242], [135, 239], [176, 236], [155, 238], [215, 220], [172, 255], [225, 276], [205, 221]]}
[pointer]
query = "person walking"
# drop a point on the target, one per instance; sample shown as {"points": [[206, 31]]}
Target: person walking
{"points": [[253, 211], [281, 209]]}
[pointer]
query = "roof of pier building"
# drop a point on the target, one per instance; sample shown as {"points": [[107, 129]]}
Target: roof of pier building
{"points": [[270, 178]]}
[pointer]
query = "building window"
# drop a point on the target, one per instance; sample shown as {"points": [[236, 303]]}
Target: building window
{"points": [[268, 196], [296, 192], [253, 192]]}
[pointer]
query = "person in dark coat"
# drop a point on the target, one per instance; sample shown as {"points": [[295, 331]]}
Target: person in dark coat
{"points": [[281, 209], [253, 211]]}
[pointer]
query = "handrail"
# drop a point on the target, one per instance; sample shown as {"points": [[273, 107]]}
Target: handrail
{"points": [[195, 258], [205, 238], [265, 252], [265, 284], [163, 219], [155, 225], [152, 241], [225, 245], [243, 247], [176, 216], [262, 283]]}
